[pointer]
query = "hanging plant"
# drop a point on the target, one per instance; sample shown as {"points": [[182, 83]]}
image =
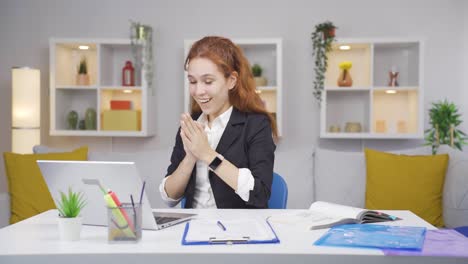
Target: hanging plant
{"points": [[444, 120], [142, 36], [322, 38]]}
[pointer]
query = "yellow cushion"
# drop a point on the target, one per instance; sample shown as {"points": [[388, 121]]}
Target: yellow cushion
{"points": [[400, 182], [29, 194]]}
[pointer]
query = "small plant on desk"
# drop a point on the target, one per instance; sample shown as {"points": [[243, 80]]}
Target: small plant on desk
{"points": [[69, 206]]}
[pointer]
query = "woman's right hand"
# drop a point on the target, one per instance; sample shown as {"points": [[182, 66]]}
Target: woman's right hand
{"points": [[188, 154]]}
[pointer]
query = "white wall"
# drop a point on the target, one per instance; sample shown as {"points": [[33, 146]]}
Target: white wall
{"points": [[26, 26], [464, 88]]}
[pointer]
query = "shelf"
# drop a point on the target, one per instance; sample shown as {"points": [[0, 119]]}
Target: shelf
{"points": [[347, 89], [347, 107], [395, 113], [383, 111], [122, 88], [397, 88], [344, 135], [78, 100], [360, 56], [106, 58], [403, 56], [67, 58], [266, 88], [76, 87], [264, 55], [113, 58]]}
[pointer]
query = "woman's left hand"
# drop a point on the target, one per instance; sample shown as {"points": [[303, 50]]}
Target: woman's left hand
{"points": [[197, 139]]}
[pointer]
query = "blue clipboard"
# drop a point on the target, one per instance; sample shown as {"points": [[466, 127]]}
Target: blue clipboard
{"points": [[240, 240]]}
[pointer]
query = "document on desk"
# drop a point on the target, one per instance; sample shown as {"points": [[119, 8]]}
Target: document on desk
{"points": [[238, 231]]}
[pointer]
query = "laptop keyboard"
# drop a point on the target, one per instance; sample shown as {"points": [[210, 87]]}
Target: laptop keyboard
{"points": [[162, 220]]}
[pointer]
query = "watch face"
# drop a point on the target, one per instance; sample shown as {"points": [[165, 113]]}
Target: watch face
{"points": [[215, 163]]}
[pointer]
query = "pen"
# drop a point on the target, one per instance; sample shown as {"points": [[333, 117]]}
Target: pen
{"points": [[133, 205], [142, 190], [221, 225]]}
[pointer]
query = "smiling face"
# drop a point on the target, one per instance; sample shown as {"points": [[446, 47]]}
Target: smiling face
{"points": [[209, 87]]}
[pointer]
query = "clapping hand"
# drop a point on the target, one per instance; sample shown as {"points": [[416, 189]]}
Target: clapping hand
{"points": [[195, 139]]}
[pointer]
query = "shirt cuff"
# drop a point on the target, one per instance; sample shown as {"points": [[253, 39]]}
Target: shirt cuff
{"points": [[245, 184], [167, 200]]}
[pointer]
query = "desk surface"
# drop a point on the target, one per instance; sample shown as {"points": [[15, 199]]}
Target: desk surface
{"points": [[36, 239]]}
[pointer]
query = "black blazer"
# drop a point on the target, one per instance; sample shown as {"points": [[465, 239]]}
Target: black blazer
{"points": [[247, 142]]}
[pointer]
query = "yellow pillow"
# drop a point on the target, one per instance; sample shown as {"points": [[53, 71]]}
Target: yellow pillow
{"points": [[400, 182], [29, 194]]}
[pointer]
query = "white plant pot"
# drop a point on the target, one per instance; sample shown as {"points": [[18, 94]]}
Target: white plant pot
{"points": [[70, 228]]}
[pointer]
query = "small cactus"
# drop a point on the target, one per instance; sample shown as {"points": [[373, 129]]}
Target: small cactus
{"points": [[83, 67], [257, 70]]}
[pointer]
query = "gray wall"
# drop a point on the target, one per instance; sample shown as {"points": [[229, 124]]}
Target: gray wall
{"points": [[26, 26]]}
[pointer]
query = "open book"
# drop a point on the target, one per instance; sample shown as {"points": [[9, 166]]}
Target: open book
{"points": [[324, 215]]}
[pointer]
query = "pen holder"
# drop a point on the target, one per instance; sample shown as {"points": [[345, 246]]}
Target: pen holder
{"points": [[124, 223]]}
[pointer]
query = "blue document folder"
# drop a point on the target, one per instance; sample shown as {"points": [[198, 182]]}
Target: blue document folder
{"points": [[374, 236], [212, 232]]}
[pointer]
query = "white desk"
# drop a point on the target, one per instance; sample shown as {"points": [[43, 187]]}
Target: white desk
{"points": [[36, 240]]}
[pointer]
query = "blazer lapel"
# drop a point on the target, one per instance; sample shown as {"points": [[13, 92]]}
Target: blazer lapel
{"points": [[232, 131]]}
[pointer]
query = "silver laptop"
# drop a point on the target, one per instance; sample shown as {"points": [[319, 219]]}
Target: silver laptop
{"points": [[121, 177]]}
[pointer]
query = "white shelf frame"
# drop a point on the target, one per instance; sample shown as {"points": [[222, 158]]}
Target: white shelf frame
{"points": [[373, 135], [148, 127]]}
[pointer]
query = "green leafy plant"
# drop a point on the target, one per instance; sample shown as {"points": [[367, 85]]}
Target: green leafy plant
{"points": [[71, 204], [322, 38], [83, 67], [444, 120], [257, 70]]}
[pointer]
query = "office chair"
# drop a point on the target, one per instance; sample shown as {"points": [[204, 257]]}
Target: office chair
{"points": [[279, 194]]}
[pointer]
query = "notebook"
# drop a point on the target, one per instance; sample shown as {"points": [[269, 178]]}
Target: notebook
{"points": [[325, 215], [121, 177]]}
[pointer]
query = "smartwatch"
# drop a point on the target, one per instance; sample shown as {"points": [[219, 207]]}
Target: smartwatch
{"points": [[216, 162]]}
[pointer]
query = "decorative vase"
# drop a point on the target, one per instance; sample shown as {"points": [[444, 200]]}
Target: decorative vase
{"points": [[90, 119], [353, 127], [82, 79], [70, 228], [328, 33], [393, 78], [260, 81], [72, 119], [345, 80], [81, 125]]}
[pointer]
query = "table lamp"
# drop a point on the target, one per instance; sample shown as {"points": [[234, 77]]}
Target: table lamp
{"points": [[26, 109]]}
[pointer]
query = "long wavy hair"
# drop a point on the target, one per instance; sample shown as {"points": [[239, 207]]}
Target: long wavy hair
{"points": [[230, 58]]}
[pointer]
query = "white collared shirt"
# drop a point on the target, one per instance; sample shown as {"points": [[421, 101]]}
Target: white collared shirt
{"points": [[203, 197]]}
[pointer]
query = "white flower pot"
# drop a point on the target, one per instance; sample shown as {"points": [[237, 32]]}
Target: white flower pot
{"points": [[70, 228]]}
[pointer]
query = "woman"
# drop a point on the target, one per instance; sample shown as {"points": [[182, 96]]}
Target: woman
{"points": [[225, 158]]}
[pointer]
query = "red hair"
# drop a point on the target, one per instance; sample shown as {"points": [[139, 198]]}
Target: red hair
{"points": [[230, 58]]}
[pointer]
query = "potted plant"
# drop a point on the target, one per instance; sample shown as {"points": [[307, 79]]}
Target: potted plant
{"points": [[322, 38], [257, 73], [444, 120], [82, 78], [70, 220]]}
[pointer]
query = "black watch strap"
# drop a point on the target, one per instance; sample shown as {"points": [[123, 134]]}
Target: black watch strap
{"points": [[216, 162]]}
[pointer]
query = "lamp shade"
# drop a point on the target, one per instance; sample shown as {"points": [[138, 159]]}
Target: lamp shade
{"points": [[26, 109]]}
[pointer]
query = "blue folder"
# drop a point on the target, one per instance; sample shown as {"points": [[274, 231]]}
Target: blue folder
{"points": [[374, 236], [230, 241]]}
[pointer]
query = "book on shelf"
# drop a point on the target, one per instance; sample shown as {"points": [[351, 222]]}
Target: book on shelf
{"points": [[325, 215]]}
